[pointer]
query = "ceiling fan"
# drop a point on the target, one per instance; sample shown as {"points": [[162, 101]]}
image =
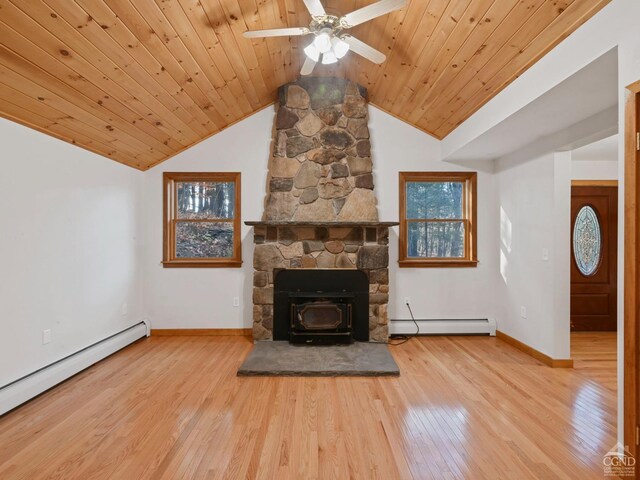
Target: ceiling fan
{"points": [[331, 42]]}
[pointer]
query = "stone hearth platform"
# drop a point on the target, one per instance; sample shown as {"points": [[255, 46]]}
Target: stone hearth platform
{"points": [[282, 359]]}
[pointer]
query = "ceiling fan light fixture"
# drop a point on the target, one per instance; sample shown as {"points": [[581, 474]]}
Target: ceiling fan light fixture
{"points": [[331, 42], [322, 42], [312, 52], [329, 58], [340, 48]]}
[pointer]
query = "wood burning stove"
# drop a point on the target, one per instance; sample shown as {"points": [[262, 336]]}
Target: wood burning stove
{"points": [[320, 317], [321, 306]]}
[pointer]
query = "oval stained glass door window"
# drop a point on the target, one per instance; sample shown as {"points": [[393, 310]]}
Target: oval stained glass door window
{"points": [[587, 241]]}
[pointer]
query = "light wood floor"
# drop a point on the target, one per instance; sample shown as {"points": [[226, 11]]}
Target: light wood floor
{"points": [[172, 408], [594, 355]]}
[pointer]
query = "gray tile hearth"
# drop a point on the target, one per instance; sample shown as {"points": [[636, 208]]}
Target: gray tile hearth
{"points": [[281, 359]]}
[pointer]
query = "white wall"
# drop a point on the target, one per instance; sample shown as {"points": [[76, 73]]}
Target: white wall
{"points": [[560, 255], [594, 170], [203, 298], [529, 198], [596, 161], [440, 293], [69, 243], [615, 26]]}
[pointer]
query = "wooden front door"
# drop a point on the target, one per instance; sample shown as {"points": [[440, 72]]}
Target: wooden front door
{"points": [[594, 252]]}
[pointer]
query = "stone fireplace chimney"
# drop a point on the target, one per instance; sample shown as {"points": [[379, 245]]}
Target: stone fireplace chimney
{"points": [[320, 208], [321, 166]]}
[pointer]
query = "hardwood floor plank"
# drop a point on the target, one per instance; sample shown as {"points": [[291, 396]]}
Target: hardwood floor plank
{"points": [[595, 356], [463, 407]]}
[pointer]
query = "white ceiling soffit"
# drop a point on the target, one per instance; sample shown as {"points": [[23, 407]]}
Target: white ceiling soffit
{"points": [[602, 150], [588, 96]]}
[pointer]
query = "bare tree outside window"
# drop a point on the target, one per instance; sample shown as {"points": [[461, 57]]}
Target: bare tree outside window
{"points": [[207, 202], [437, 219], [202, 219]]}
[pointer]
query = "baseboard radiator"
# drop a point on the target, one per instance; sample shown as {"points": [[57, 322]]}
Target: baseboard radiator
{"points": [[479, 326], [23, 389]]}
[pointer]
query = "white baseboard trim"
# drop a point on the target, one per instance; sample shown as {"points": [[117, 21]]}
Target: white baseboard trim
{"points": [[486, 326], [29, 386]]}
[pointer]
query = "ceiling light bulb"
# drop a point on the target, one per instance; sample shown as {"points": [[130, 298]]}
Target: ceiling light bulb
{"points": [[312, 52], [328, 58], [322, 42], [340, 48]]}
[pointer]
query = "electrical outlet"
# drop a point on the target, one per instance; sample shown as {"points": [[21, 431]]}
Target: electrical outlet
{"points": [[523, 312], [125, 309], [236, 301], [407, 300], [46, 337], [545, 254]]}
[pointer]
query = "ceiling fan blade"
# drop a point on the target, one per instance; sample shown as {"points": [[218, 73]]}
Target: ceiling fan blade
{"points": [[315, 8], [363, 49], [370, 12], [308, 66], [277, 32]]}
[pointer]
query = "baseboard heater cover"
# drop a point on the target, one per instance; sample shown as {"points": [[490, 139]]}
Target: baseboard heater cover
{"points": [[479, 326], [33, 384]]}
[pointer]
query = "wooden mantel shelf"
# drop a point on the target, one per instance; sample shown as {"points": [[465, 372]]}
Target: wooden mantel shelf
{"points": [[260, 223]]}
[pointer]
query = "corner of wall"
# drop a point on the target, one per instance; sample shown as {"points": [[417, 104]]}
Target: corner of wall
{"points": [[561, 254]]}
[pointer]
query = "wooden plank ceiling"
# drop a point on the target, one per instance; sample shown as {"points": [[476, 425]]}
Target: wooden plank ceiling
{"points": [[141, 80]]}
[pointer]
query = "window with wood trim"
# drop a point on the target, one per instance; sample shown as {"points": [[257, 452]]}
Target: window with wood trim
{"points": [[201, 219], [438, 219]]}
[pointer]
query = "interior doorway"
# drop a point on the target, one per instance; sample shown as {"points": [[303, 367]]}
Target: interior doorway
{"points": [[594, 256], [593, 260]]}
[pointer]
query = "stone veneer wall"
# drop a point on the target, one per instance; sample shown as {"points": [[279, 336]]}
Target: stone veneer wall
{"points": [[320, 173], [364, 248], [321, 169]]}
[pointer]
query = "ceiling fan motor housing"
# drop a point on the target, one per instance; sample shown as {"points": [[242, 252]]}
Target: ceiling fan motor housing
{"points": [[326, 22]]}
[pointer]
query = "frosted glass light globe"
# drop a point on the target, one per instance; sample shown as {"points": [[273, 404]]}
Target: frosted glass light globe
{"points": [[322, 42], [312, 52], [340, 48], [329, 57]]}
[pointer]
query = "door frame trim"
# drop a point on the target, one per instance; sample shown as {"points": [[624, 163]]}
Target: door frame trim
{"points": [[594, 183], [631, 271]]}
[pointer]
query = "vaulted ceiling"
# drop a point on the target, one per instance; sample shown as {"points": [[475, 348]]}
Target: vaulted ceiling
{"points": [[141, 80]]}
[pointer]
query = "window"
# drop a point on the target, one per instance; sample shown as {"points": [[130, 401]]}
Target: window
{"points": [[587, 242], [438, 219], [202, 220]]}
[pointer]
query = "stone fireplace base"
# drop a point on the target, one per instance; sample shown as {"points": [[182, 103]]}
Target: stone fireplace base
{"points": [[337, 245]]}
